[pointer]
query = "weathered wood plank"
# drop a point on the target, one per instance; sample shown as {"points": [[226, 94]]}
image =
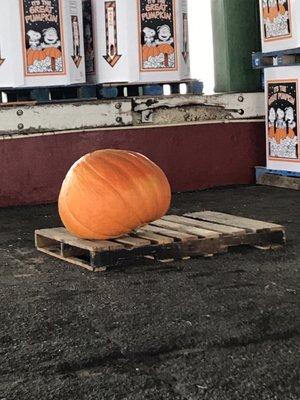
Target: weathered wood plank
{"points": [[187, 229], [285, 182], [62, 235], [240, 222], [170, 233], [133, 241], [223, 229], [153, 237]]}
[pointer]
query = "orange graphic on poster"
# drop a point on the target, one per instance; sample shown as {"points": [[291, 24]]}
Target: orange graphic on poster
{"points": [[273, 11], [276, 19]]}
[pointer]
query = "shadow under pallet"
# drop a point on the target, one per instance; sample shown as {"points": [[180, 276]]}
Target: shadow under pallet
{"points": [[173, 237]]}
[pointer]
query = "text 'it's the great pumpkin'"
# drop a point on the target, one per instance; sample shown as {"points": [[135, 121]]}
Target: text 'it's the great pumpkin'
{"points": [[109, 193]]}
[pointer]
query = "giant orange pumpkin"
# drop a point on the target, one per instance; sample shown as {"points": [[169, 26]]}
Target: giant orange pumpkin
{"points": [[109, 193]]}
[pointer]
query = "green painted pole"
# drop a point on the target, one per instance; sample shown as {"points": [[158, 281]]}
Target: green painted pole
{"points": [[236, 34]]}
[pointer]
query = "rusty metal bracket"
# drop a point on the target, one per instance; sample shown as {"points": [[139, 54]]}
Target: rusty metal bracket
{"points": [[218, 106]]}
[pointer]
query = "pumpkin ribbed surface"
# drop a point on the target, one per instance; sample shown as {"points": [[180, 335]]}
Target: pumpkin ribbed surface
{"points": [[109, 193]]}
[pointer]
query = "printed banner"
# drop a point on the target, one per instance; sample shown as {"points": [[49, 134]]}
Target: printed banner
{"points": [[276, 19], [157, 31], [43, 40], [283, 122], [88, 37]]}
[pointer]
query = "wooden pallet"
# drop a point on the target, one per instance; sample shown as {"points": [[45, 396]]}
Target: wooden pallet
{"points": [[280, 58], [276, 178], [111, 90], [173, 237], [86, 92]]}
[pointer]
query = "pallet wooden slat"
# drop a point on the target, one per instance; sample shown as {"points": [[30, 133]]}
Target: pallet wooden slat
{"points": [[153, 237], [187, 229], [63, 236], [133, 241], [238, 222], [223, 229], [170, 233], [92, 92]]}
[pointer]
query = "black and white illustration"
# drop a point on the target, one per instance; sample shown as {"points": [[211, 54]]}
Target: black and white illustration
{"points": [[42, 37], [282, 120], [158, 45]]}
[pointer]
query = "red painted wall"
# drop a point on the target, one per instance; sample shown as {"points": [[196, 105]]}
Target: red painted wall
{"points": [[193, 157]]}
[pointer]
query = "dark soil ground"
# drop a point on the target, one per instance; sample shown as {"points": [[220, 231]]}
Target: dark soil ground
{"points": [[220, 328]]}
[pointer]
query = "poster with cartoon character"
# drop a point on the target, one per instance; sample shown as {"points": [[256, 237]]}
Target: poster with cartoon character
{"points": [[88, 36], [157, 32], [42, 30], [276, 19], [282, 120]]}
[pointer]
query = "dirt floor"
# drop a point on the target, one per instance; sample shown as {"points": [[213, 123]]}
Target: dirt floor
{"points": [[220, 328]]}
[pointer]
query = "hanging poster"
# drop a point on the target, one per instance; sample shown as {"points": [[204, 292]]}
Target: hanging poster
{"points": [[276, 19], [157, 32], [43, 41], [282, 120], [88, 37]]}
